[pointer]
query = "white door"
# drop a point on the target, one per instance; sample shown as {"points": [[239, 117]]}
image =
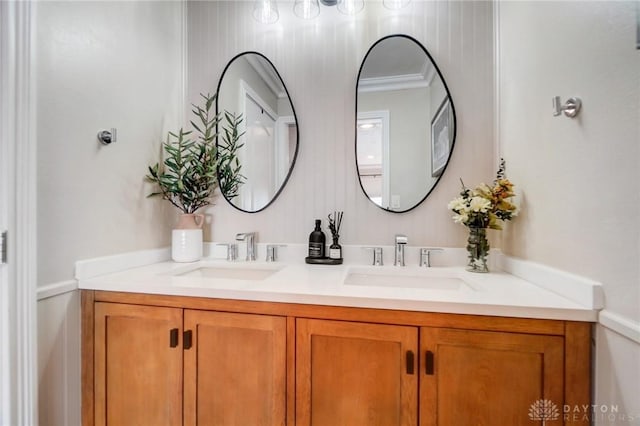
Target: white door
{"points": [[5, 287], [373, 155], [259, 156], [6, 163], [17, 192]]}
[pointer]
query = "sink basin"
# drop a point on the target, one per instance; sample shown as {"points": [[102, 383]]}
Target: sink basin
{"points": [[251, 273], [406, 278]]}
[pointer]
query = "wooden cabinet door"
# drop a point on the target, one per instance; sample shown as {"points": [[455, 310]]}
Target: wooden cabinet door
{"points": [[138, 374], [235, 370], [489, 378], [355, 374]]}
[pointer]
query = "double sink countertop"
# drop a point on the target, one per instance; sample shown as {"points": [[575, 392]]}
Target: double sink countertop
{"points": [[442, 289]]}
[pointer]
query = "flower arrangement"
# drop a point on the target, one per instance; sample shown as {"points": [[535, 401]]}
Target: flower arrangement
{"points": [[481, 208], [485, 206]]}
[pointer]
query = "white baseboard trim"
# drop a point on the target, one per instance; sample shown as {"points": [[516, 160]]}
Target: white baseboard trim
{"points": [[91, 268], [621, 325], [56, 289], [584, 291]]}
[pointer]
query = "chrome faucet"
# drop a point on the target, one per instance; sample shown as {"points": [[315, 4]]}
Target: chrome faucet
{"points": [[401, 241], [250, 238]]}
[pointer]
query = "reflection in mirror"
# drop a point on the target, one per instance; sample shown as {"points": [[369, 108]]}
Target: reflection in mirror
{"points": [[405, 127], [251, 88]]}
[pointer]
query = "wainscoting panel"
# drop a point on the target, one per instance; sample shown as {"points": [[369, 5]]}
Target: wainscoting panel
{"points": [[59, 356]]}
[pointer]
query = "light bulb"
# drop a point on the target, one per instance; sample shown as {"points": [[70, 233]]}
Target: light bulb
{"points": [[350, 7], [265, 11], [306, 9], [395, 4]]}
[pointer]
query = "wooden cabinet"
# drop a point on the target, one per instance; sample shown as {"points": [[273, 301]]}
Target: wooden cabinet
{"points": [[138, 375], [170, 360], [231, 366], [352, 373], [355, 374], [487, 378], [235, 373]]}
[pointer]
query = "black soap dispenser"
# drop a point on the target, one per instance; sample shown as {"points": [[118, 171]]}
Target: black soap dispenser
{"points": [[317, 241]]}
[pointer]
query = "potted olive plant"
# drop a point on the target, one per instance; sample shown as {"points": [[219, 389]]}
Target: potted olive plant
{"points": [[192, 169]]}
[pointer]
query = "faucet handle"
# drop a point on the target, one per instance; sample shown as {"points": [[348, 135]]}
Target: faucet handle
{"points": [[377, 255], [272, 252], [401, 239], [232, 251], [425, 255]]}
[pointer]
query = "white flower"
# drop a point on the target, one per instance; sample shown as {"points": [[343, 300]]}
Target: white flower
{"points": [[461, 218], [480, 204], [457, 204]]}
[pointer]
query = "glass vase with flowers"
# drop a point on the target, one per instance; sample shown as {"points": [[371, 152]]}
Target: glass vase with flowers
{"points": [[484, 207]]}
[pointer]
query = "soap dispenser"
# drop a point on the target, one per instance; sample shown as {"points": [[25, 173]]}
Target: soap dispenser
{"points": [[317, 241]]}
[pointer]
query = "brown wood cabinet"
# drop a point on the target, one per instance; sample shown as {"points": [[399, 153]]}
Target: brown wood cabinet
{"points": [[235, 372], [138, 375], [487, 378], [231, 366], [351, 373], [262, 363]]}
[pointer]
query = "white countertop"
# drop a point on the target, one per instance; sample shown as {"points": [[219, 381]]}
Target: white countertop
{"points": [[494, 293]]}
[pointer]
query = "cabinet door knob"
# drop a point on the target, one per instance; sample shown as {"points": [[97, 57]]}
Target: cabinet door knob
{"points": [[173, 338], [428, 368], [410, 361]]}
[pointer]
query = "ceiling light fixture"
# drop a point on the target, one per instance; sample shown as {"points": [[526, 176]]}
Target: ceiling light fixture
{"points": [[266, 11]]}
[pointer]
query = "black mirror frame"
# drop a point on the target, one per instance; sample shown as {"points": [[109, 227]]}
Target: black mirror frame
{"points": [[295, 116], [453, 111]]}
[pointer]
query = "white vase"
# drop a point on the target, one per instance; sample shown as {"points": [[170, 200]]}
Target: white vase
{"points": [[186, 238]]}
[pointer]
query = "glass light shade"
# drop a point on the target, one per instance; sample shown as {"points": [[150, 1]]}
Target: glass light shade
{"points": [[306, 9], [350, 7], [266, 11], [395, 4]]}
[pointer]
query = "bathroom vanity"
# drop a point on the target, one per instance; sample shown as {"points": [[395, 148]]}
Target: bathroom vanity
{"points": [[267, 344]]}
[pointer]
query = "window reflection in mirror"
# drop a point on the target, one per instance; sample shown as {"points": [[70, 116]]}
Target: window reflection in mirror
{"points": [[402, 100], [251, 87]]}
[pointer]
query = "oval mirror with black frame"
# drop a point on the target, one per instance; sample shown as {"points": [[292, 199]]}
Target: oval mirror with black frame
{"points": [[405, 124], [255, 103]]}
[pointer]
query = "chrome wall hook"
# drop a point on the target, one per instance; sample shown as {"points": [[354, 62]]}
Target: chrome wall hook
{"points": [[107, 136], [571, 108]]}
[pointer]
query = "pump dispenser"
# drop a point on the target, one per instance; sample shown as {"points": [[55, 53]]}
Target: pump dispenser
{"points": [[317, 241]]}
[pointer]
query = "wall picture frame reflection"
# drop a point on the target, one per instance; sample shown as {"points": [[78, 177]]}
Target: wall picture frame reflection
{"points": [[441, 137]]}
